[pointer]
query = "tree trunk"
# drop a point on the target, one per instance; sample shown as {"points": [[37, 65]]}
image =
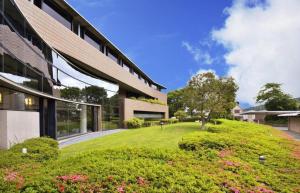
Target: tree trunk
{"points": [[203, 122]]}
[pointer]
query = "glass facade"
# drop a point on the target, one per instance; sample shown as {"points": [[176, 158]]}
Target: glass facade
{"points": [[17, 101], [112, 55], [73, 24], [89, 38], [148, 115], [50, 8], [27, 60], [73, 119]]}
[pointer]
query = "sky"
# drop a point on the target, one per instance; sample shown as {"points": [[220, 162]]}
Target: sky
{"points": [[254, 41]]}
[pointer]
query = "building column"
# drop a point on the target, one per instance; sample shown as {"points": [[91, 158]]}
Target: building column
{"points": [[52, 119], [83, 119], [95, 118], [42, 116], [99, 118]]}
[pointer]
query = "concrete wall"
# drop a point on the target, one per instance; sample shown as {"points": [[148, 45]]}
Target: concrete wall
{"points": [[257, 118], [17, 126], [134, 105], [67, 42], [260, 118], [294, 124], [249, 118], [235, 114]]}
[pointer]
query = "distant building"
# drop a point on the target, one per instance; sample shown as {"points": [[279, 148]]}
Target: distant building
{"points": [[236, 112], [259, 116], [293, 121]]}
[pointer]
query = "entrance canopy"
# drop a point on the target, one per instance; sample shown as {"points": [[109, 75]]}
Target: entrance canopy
{"points": [[296, 114], [264, 112]]}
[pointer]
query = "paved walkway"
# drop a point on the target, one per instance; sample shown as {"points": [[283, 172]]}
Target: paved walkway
{"points": [[86, 137], [295, 135]]}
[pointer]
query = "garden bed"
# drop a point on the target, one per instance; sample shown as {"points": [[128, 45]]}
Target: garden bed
{"points": [[223, 158]]}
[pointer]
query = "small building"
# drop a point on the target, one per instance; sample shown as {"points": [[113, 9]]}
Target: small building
{"points": [[236, 112], [293, 121], [259, 116]]}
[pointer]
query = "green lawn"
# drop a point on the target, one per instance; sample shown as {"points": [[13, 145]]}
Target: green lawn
{"points": [[152, 137], [178, 158]]}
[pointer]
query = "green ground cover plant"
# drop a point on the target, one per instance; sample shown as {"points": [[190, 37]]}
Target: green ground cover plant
{"points": [[152, 101], [136, 123], [222, 158]]}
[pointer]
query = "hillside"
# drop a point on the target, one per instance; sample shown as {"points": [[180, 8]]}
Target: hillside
{"points": [[262, 107]]}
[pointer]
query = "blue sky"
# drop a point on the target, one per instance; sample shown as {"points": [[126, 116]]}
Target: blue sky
{"points": [[151, 33], [173, 39]]}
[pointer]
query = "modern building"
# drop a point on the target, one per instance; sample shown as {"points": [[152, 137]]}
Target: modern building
{"points": [[60, 77]]}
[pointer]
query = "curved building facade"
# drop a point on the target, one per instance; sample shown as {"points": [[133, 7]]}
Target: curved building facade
{"points": [[63, 77]]}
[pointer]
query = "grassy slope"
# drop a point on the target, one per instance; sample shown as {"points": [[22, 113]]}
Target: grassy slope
{"points": [[224, 159], [153, 137]]}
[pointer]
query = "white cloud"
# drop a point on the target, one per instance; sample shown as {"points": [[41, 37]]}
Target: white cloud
{"points": [[263, 45], [198, 54]]}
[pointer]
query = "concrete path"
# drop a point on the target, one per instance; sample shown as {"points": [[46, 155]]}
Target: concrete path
{"points": [[295, 135], [86, 137]]}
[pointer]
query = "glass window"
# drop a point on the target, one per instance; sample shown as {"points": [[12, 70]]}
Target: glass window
{"points": [[89, 39], [38, 3], [135, 74], [31, 63], [68, 70], [75, 27], [110, 113], [126, 67], [148, 115], [142, 79], [19, 73], [73, 119], [154, 86], [17, 101], [112, 56], [53, 10]]}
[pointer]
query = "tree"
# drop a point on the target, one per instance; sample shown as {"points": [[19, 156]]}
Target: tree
{"points": [[180, 114], [207, 94], [95, 94], [175, 101], [71, 93], [275, 99]]}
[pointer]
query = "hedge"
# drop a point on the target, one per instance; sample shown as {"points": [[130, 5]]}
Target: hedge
{"points": [[38, 149], [138, 123], [134, 123]]}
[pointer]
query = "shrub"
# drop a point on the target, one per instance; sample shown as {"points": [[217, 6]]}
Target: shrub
{"points": [[138, 123], [38, 149], [134, 123], [180, 115], [169, 121], [215, 121], [223, 161], [153, 101], [173, 121], [147, 124], [190, 119], [206, 141], [151, 123]]}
